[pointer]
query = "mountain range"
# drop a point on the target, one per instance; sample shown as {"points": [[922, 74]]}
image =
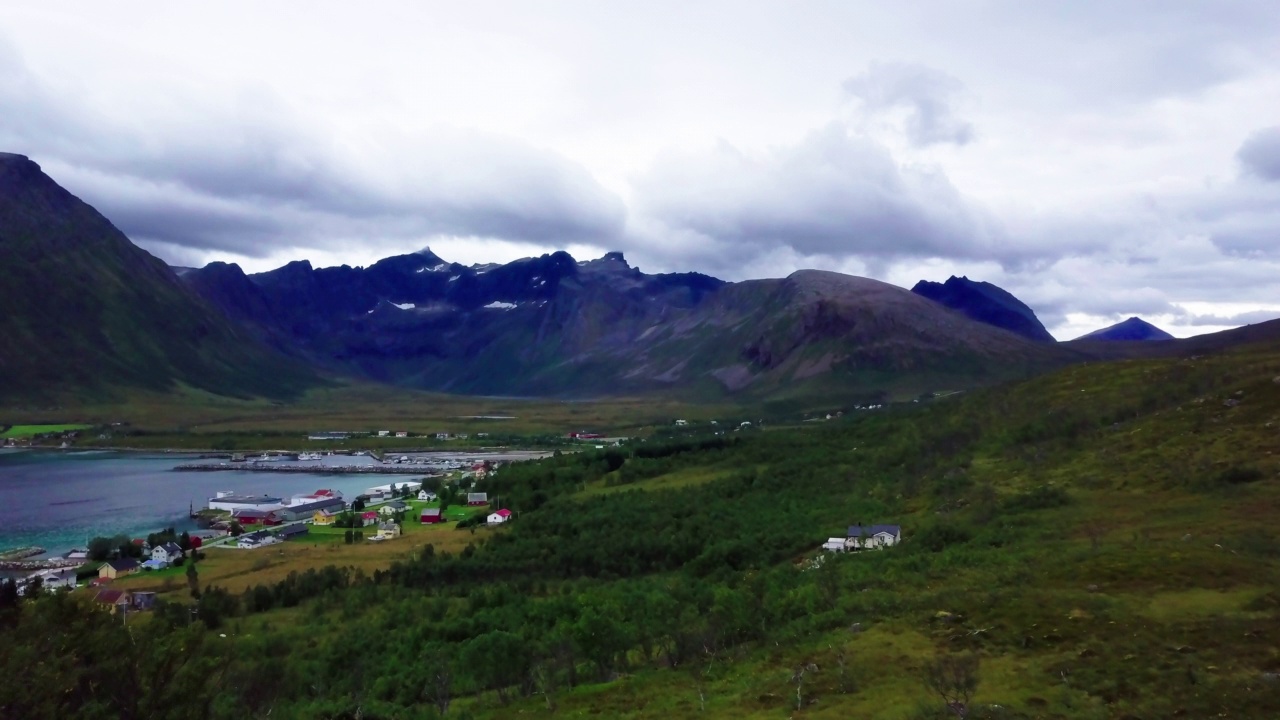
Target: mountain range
{"points": [[88, 311], [553, 325]]}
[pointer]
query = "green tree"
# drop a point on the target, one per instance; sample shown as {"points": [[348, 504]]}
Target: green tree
{"points": [[193, 580]]}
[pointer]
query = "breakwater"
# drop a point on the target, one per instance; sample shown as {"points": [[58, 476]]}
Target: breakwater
{"points": [[303, 469], [17, 565]]}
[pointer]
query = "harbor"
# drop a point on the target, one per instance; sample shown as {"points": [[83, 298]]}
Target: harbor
{"points": [[302, 469]]}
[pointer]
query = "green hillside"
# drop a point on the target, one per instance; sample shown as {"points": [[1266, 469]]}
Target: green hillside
{"points": [[1097, 543], [86, 311]]}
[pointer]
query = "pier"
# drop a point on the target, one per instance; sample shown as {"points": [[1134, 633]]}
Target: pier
{"points": [[312, 469]]}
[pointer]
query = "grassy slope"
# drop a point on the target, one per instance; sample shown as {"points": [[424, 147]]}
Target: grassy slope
{"points": [[1150, 595]]}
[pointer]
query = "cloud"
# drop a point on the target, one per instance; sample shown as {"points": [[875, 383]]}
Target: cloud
{"points": [[248, 174], [831, 193], [1244, 318], [926, 94], [1260, 154]]}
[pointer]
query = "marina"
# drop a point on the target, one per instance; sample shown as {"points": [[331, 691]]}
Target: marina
{"points": [[302, 469]]}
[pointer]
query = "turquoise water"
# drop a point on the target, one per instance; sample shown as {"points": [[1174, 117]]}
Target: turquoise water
{"points": [[58, 500]]}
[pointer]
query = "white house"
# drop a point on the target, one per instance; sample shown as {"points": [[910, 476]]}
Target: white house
{"points": [[57, 578], [383, 433], [166, 553], [499, 517], [426, 495], [256, 540], [836, 545], [875, 537]]}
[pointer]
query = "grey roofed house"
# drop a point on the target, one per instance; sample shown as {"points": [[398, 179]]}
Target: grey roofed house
{"points": [[288, 531], [396, 505], [170, 547], [254, 538], [306, 510], [123, 564]]}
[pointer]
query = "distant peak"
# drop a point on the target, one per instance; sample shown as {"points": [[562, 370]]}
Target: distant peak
{"points": [[615, 255], [13, 157]]}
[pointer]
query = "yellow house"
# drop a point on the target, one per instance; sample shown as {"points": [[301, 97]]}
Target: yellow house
{"points": [[388, 531], [323, 517], [113, 569]]}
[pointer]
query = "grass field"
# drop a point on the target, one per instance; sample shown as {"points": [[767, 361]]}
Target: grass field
{"points": [[26, 431], [238, 570], [191, 418]]}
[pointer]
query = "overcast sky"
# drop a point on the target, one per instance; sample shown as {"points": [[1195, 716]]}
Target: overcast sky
{"points": [[1097, 159]]}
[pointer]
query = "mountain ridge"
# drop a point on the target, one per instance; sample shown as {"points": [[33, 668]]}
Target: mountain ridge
{"points": [[986, 303], [87, 311], [554, 325]]}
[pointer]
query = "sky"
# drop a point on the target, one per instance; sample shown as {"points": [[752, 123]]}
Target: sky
{"points": [[1097, 159]]}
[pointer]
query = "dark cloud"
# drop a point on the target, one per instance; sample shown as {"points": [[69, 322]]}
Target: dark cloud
{"points": [[251, 179], [925, 93], [830, 194], [1260, 154]]}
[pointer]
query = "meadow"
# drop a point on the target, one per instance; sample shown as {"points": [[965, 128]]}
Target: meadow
{"points": [[26, 431], [193, 418]]}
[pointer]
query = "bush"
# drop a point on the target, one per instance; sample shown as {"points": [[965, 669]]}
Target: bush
{"points": [[937, 536], [1239, 475]]}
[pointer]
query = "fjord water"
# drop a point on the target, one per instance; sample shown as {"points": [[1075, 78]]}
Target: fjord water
{"points": [[58, 500]]}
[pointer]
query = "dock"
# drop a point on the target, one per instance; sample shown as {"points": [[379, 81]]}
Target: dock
{"points": [[307, 469]]}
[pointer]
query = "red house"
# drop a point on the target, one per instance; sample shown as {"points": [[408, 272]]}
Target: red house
{"points": [[431, 515], [253, 517]]}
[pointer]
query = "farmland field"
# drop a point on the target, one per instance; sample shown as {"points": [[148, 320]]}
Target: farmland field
{"points": [[238, 570], [26, 431]]}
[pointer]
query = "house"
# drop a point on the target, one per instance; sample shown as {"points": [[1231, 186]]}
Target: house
{"points": [[682, 423], [392, 508], [836, 544], [113, 569], [869, 537], [58, 578], [256, 540], [251, 516], [442, 436], [113, 601], [462, 436], [307, 508], [383, 433], [368, 518], [499, 517], [401, 434], [389, 530], [154, 564], [78, 554], [324, 517], [477, 498], [166, 553], [144, 600], [291, 531], [427, 495], [430, 516]]}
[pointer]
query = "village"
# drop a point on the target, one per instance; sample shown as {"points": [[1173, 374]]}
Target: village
{"points": [[247, 523]]}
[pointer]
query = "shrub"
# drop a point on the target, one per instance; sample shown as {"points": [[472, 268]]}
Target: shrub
{"points": [[1239, 475], [937, 536]]}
